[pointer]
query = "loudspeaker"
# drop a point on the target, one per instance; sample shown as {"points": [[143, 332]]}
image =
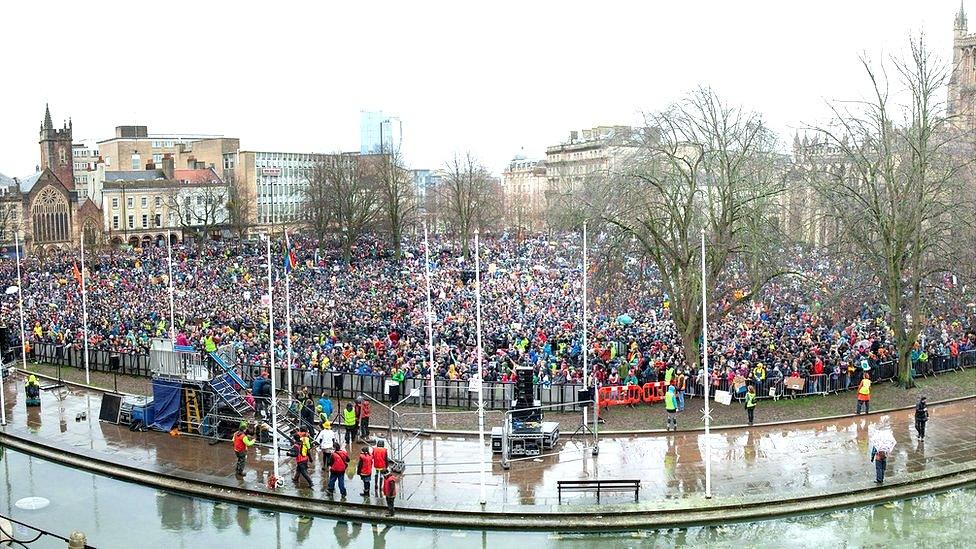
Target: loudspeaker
{"points": [[5, 341], [111, 408], [114, 361]]}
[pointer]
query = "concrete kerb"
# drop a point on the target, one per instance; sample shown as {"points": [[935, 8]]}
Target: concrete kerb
{"points": [[666, 514], [625, 432]]}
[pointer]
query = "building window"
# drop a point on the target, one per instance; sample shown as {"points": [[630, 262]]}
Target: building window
{"points": [[145, 221], [144, 201], [159, 201], [135, 162], [229, 161], [159, 220], [199, 201], [129, 202], [115, 203], [115, 222], [132, 224], [157, 159]]}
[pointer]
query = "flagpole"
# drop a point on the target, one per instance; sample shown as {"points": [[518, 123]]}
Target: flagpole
{"points": [[23, 335], [172, 306], [706, 379], [430, 336], [288, 312], [274, 388], [481, 393], [585, 378], [84, 307]]}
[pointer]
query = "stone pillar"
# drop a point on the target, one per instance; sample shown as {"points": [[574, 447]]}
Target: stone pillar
{"points": [[77, 540]]}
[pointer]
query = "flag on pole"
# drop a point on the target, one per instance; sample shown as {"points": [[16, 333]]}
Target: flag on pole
{"points": [[76, 273], [289, 259]]}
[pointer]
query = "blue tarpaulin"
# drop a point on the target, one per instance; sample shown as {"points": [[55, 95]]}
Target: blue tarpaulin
{"points": [[166, 404]]}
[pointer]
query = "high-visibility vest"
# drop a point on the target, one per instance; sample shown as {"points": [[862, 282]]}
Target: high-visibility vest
{"points": [[865, 388], [348, 417], [669, 402], [750, 400]]}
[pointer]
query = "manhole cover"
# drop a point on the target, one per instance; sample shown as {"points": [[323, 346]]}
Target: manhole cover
{"points": [[32, 503]]}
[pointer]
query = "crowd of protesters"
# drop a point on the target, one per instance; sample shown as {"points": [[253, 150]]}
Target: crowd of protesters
{"points": [[368, 316]]}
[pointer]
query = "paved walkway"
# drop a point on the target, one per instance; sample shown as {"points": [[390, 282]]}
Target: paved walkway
{"points": [[780, 462]]}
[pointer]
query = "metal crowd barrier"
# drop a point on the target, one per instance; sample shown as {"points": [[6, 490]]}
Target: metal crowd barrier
{"points": [[498, 395]]}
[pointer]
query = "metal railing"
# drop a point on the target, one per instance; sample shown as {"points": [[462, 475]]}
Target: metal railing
{"points": [[498, 395]]}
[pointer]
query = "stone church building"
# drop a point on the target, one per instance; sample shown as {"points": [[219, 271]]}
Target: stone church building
{"points": [[44, 207]]}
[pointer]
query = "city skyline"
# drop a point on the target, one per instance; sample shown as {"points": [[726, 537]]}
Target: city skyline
{"points": [[515, 98]]}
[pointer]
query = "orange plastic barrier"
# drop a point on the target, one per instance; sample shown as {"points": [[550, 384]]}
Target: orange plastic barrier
{"points": [[614, 395], [634, 394], [654, 391]]}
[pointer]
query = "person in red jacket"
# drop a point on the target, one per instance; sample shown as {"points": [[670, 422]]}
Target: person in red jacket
{"points": [[390, 491], [337, 471], [362, 417], [301, 449], [379, 464], [241, 443], [365, 469]]}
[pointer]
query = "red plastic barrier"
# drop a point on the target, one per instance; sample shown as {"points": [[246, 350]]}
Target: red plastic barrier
{"points": [[654, 391], [634, 394], [613, 396]]}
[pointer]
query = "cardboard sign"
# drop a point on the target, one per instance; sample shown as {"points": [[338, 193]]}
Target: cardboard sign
{"points": [[723, 397], [738, 382], [797, 383]]}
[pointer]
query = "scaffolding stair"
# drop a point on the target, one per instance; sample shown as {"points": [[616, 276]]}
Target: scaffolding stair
{"points": [[226, 368], [223, 387]]}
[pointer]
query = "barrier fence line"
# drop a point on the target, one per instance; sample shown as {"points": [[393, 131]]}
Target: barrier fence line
{"points": [[455, 393]]}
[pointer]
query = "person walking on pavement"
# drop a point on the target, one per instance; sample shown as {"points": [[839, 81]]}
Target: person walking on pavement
{"points": [[379, 464], [365, 469], [880, 459], [301, 450], [325, 440], [751, 403], [337, 471], [921, 416], [349, 424], [241, 443], [864, 392], [390, 491], [671, 406], [362, 415]]}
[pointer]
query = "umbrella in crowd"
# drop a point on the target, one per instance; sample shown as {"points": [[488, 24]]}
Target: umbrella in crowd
{"points": [[884, 441]]}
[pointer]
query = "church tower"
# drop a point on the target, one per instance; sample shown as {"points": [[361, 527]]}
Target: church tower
{"points": [[56, 150], [962, 82]]}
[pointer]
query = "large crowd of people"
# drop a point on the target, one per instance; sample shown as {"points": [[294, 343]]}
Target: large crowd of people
{"points": [[369, 316]]}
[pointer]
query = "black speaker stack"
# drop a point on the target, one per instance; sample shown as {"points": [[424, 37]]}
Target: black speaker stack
{"points": [[523, 410], [7, 346]]}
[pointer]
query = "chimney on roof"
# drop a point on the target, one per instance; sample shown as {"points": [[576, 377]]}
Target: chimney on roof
{"points": [[168, 167]]}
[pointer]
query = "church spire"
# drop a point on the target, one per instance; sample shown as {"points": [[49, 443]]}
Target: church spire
{"points": [[48, 125], [961, 18]]}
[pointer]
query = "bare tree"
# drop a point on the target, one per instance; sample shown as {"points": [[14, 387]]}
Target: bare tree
{"points": [[199, 208], [896, 199], [471, 198], [240, 203], [398, 194], [341, 195], [700, 164]]}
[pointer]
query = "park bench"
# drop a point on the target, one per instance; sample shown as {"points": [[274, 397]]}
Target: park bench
{"points": [[620, 485]]}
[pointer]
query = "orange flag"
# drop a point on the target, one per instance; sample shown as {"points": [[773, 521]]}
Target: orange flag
{"points": [[76, 273]]}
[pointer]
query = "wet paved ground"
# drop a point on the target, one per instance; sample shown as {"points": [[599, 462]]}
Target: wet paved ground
{"points": [[442, 472]]}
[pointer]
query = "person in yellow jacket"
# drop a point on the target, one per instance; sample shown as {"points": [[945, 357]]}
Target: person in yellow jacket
{"points": [[864, 391], [349, 423], [751, 403]]}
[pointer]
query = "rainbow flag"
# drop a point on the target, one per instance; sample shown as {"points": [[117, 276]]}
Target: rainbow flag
{"points": [[289, 259]]}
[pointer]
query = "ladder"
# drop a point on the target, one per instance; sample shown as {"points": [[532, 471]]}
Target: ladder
{"points": [[192, 409], [223, 387]]}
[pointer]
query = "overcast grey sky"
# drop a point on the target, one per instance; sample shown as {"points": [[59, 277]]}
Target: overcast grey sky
{"points": [[490, 77]]}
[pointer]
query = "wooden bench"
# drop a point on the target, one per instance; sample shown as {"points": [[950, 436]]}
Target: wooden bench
{"points": [[620, 485]]}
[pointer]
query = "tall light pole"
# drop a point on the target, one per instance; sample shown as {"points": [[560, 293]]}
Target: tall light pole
{"points": [[481, 382], [705, 379], [430, 335]]}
